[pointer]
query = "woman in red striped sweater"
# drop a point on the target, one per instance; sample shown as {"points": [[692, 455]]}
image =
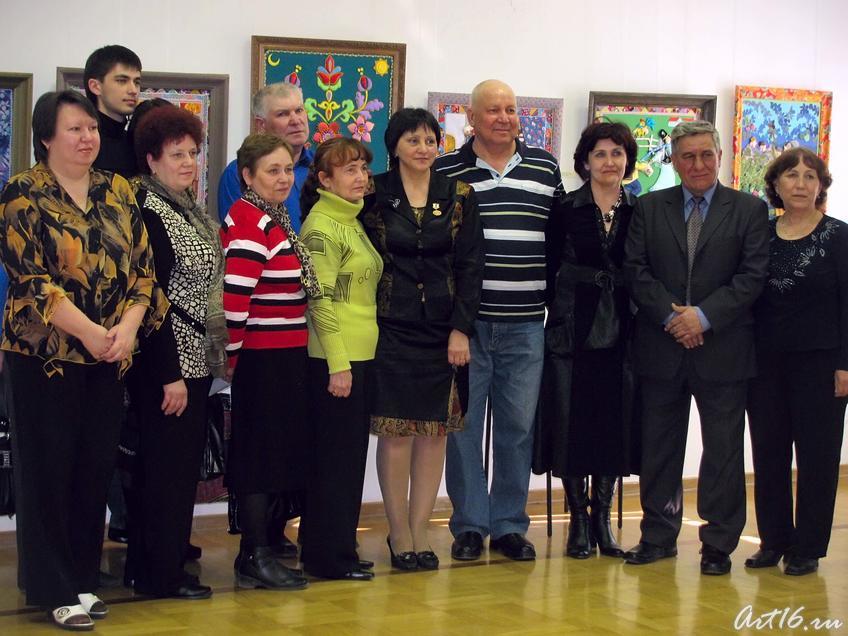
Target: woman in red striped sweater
{"points": [[268, 273]]}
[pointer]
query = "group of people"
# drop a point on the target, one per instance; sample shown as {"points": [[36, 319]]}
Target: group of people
{"points": [[338, 303]]}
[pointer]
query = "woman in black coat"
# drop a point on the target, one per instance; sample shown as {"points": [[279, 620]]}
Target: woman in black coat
{"points": [[586, 402]]}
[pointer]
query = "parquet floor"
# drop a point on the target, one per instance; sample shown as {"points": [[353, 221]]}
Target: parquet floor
{"points": [[553, 595]]}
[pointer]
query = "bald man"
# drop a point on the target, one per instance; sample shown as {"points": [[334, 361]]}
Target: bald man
{"points": [[516, 187]]}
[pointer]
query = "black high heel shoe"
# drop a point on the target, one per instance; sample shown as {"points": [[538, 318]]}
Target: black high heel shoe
{"points": [[406, 561]]}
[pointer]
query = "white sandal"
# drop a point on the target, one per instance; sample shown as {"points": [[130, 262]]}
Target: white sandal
{"points": [[93, 606], [71, 617]]}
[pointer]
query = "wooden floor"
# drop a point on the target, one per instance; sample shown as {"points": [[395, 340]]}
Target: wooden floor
{"points": [[553, 595]]}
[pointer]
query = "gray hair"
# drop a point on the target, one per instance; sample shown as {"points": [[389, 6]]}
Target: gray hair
{"points": [[688, 128], [280, 89]]}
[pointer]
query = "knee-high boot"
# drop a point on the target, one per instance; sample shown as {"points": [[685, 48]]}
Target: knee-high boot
{"points": [[580, 544], [602, 491]]}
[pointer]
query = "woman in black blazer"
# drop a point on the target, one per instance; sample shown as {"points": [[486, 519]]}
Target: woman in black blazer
{"points": [[427, 229]]}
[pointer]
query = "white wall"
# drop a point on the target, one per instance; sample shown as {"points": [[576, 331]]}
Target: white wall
{"points": [[545, 48]]}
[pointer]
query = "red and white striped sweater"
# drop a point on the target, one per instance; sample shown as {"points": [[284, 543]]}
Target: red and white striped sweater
{"points": [[264, 300]]}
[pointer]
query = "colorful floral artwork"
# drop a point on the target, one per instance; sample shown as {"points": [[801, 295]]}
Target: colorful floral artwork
{"points": [[540, 120], [771, 120], [650, 118], [6, 119], [349, 88]]}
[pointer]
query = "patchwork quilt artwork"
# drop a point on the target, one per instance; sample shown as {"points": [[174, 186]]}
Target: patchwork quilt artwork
{"points": [[771, 120]]}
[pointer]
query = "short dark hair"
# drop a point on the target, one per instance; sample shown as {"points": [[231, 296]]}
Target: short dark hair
{"points": [[617, 132], [160, 126], [253, 148], [46, 112], [103, 60], [141, 110], [331, 154], [788, 160], [405, 120]]}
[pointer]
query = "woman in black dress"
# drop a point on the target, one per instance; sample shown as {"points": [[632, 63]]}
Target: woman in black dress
{"points": [[798, 398], [428, 232], [587, 387]]}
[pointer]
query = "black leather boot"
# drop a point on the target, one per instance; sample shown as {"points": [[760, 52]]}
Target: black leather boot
{"points": [[580, 544], [258, 568], [603, 488]]}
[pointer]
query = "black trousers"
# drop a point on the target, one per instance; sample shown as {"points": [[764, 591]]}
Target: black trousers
{"points": [[791, 403], [164, 484], [338, 449], [721, 477], [66, 430]]}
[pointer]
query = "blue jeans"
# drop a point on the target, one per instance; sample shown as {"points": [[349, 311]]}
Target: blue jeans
{"points": [[506, 360]]}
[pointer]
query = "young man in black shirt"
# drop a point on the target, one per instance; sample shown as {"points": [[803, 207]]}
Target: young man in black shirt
{"points": [[112, 79]]}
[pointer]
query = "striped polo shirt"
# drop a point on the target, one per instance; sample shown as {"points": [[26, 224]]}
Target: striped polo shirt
{"points": [[264, 301], [514, 208]]}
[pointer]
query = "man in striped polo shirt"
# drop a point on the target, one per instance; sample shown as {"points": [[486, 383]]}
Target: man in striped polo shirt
{"points": [[516, 188]]}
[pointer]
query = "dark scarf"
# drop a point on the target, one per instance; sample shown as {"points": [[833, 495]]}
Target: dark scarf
{"points": [[280, 216]]}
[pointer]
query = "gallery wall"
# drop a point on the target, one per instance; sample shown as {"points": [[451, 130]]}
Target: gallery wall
{"points": [[543, 48]]}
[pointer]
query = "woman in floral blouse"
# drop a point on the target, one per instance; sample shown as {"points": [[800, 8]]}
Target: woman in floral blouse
{"points": [[80, 285], [798, 399]]}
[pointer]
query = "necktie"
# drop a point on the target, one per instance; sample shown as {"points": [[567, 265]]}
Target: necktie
{"points": [[693, 231]]}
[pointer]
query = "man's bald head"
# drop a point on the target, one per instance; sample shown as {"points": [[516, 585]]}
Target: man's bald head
{"points": [[494, 115], [487, 87]]}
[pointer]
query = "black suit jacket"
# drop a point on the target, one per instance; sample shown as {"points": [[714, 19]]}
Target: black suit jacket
{"points": [[731, 262]]}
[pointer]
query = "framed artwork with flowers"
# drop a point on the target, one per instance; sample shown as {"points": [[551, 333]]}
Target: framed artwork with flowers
{"points": [[349, 88], [651, 117], [540, 120], [771, 120], [203, 95], [15, 111]]}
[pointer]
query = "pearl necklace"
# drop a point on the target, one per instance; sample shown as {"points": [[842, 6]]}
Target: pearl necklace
{"points": [[609, 216]]}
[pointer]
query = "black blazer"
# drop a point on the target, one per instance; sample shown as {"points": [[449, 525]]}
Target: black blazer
{"points": [[731, 261], [433, 272]]}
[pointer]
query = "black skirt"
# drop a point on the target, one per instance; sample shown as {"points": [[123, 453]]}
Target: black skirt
{"points": [[269, 407], [416, 391]]}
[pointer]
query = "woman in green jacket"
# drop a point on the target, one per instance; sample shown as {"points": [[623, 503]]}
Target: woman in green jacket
{"points": [[342, 324]]}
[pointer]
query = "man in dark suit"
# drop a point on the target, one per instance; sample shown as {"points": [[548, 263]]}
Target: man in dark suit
{"points": [[696, 259]]}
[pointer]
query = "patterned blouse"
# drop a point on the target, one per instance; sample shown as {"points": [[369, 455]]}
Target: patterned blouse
{"points": [[98, 258], [185, 264], [804, 306]]}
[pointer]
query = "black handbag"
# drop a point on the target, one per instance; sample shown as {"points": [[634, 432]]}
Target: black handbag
{"points": [[213, 463]]}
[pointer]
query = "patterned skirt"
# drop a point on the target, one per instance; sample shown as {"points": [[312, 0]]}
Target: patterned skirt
{"points": [[416, 390]]}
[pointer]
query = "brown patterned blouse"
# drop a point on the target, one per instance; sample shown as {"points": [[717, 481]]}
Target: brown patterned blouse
{"points": [[99, 259]]}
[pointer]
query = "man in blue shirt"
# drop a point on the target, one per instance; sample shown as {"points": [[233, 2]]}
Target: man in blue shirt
{"points": [[277, 109]]}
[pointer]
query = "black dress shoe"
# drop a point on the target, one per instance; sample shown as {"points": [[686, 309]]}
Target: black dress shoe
{"points": [[356, 575], [118, 535], [406, 561], [799, 566], [191, 592], [427, 560], [645, 553], [365, 564], [193, 552], [468, 546], [514, 546], [714, 562], [764, 558]]}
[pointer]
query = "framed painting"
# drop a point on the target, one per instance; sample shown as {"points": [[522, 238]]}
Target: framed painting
{"points": [[651, 117], [771, 120], [15, 132], [204, 95], [540, 120], [349, 88]]}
